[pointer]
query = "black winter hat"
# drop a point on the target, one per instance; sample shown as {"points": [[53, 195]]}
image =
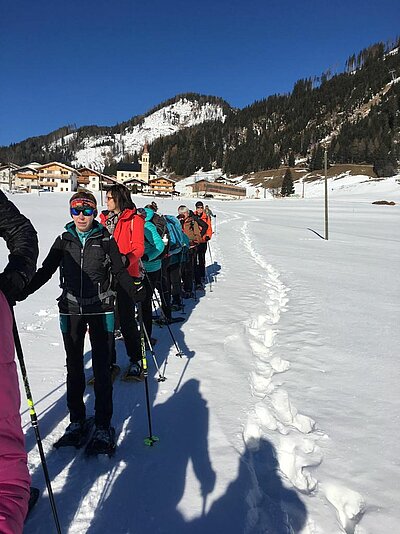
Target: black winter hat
{"points": [[199, 204]]}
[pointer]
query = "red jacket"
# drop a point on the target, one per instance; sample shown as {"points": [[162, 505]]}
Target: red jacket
{"points": [[204, 217], [129, 236]]}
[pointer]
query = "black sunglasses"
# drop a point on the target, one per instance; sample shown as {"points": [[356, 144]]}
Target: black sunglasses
{"points": [[87, 212]]}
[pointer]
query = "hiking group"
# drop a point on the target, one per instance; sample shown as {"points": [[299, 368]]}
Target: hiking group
{"points": [[110, 272]]}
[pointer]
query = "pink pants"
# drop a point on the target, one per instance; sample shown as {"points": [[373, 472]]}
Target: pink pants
{"points": [[14, 476]]}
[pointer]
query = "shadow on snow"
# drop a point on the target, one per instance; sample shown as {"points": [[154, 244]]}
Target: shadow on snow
{"points": [[140, 489]]}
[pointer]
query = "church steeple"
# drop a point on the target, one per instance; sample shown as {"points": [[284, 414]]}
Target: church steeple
{"points": [[145, 163]]}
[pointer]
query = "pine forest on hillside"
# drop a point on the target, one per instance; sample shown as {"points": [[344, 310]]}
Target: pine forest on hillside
{"points": [[356, 112]]}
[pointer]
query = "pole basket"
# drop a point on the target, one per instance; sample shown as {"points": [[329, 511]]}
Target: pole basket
{"points": [[151, 440]]}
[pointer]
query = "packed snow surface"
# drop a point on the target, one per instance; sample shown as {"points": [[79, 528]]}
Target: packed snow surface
{"points": [[283, 414]]}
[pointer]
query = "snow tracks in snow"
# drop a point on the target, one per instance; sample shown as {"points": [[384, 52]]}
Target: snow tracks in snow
{"points": [[274, 417]]}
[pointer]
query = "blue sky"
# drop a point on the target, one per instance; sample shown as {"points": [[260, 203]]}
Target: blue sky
{"points": [[102, 62]]}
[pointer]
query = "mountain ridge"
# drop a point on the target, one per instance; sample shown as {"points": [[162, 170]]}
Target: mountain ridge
{"points": [[355, 112]]}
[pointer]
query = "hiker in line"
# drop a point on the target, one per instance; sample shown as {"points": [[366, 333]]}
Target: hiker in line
{"points": [[153, 248], [177, 257], [88, 258], [22, 243], [163, 285], [200, 263], [127, 227], [195, 229], [208, 211]]}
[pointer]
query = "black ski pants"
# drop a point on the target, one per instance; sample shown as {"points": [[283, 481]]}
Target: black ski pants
{"points": [[200, 269], [125, 317], [164, 288], [151, 280], [175, 279], [188, 270], [101, 334]]}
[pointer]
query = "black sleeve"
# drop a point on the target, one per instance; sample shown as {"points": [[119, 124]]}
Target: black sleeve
{"points": [[20, 237], [49, 266], [203, 225], [124, 279]]}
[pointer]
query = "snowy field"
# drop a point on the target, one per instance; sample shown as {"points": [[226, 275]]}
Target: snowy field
{"points": [[283, 414]]}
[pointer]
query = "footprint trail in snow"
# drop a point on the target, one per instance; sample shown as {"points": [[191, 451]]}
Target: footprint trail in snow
{"points": [[275, 418]]}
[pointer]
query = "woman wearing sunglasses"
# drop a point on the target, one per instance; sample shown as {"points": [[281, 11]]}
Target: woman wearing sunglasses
{"points": [[127, 227], [88, 259]]}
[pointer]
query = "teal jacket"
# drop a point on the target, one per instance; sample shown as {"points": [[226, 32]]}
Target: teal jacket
{"points": [[153, 244]]}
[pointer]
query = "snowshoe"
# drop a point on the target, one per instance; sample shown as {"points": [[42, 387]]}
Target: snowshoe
{"points": [[76, 434], [158, 321], [164, 321], [33, 499], [134, 373], [115, 370], [118, 335], [102, 442]]}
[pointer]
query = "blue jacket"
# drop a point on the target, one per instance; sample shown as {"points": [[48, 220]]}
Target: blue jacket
{"points": [[181, 257], [153, 244]]}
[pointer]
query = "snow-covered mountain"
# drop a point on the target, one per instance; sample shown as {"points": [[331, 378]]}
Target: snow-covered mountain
{"points": [[94, 149]]}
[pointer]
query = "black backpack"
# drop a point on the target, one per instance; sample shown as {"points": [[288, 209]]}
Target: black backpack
{"points": [[162, 229]]}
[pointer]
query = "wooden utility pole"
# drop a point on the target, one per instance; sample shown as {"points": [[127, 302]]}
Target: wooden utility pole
{"points": [[101, 188], [326, 191]]}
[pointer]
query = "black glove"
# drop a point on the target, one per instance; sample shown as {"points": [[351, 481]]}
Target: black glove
{"points": [[140, 291], [207, 238], [145, 257], [12, 284]]}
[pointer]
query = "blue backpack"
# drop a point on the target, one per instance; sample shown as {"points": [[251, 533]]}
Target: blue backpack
{"points": [[176, 239]]}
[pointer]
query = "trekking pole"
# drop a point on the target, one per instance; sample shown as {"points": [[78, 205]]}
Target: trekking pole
{"points": [[161, 377], [194, 267], [179, 352], [34, 421], [209, 276], [211, 257], [150, 440], [182, 375], [210, 282], [156, 312]]}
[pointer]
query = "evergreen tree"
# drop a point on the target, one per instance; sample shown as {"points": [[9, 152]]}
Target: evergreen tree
{"points": [[317, 159], [287, 184]]}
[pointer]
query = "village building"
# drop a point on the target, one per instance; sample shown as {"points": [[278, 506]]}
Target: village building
{"points": [[140, 170], [205, 189], [161, 186], [92, 180], [135, 185], [6, 175], [57, 177], [25, 178]]}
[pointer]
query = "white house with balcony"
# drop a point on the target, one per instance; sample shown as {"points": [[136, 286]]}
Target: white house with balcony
{"points": [[6, 175], [58, 177]]}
